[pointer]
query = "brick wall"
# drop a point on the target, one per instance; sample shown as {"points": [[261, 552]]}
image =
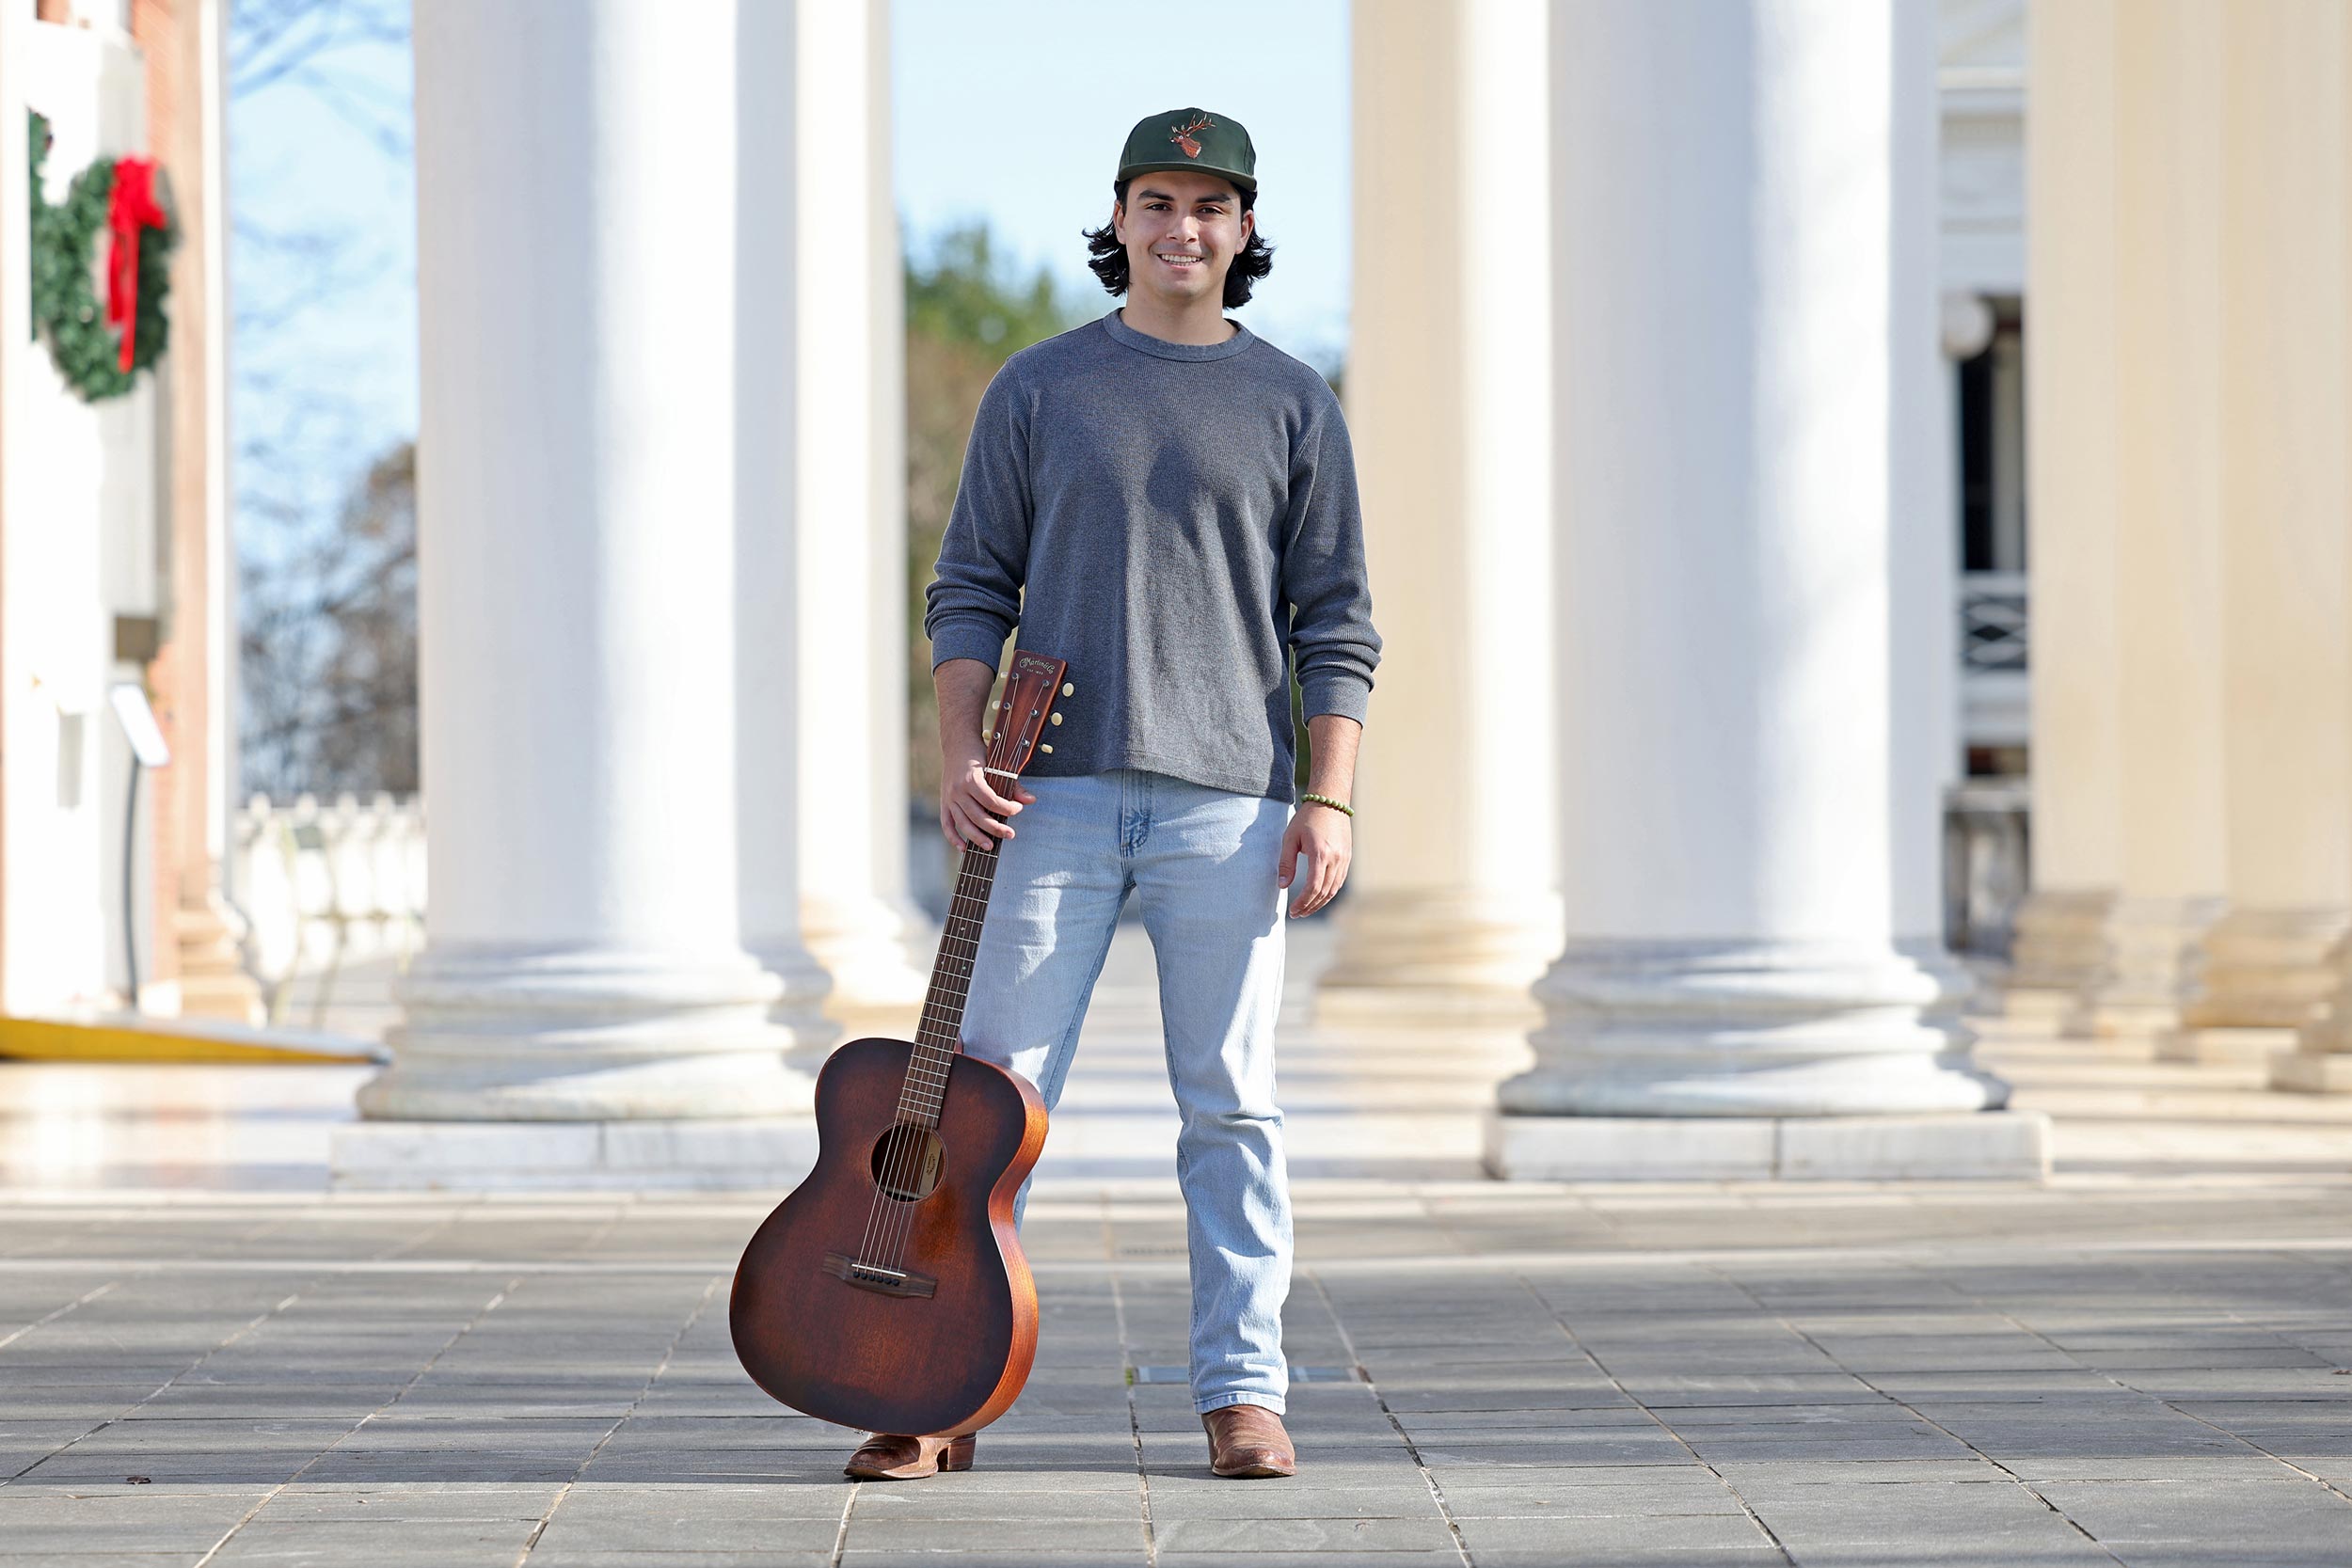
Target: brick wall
{"points": [[175, 679]]}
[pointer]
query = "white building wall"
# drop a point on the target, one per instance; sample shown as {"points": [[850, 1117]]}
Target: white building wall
{"points": [[80, 549]]}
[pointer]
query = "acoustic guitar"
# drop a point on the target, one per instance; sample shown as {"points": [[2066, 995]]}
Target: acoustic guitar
{"points": [[888, 1292]]}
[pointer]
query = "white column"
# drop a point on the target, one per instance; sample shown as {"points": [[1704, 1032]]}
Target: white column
{"points": [[2167, 289], [2286, 688], [2299, 90], [1923, 518], [212, 981], [1451, 904], [1729, 1000], [770, 197], [577, 491], [2072, 478], [851, 620]]}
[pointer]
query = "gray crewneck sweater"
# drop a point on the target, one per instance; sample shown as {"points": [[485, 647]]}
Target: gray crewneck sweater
{"points": [[1169, 519]]}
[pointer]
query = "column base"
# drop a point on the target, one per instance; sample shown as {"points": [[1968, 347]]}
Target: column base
{"points": [[1448, 955], [764, 1154], [2155, 950], [879, 955], [2268, 968], [497, 1034], [2036, 1005], [2214, 1047], [212, 981], [803, 1001], [1959, 990], [2311, 1072], [1347, 1007], [1649, 1028], [2061, 940], [1977, 1145], [2094, 1017], [2321, 1063]]}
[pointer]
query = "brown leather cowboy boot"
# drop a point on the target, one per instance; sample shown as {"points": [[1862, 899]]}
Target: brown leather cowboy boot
{"points": [[887, 1456], [1246, 1441]]}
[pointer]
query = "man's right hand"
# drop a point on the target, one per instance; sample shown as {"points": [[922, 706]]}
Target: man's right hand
{"points": [[969, 800], [969, 803]]}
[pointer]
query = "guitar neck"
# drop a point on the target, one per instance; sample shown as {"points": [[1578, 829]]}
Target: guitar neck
{"points": [[938, 1035], [1017, 721]]}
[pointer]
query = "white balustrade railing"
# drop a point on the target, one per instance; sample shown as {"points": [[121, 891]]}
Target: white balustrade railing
{"points": [[334, 892], [1992, 623], [327, 888], [1987, 838]]}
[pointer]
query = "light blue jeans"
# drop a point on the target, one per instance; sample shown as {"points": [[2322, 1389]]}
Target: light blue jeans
{"points": [[1202, 862]]}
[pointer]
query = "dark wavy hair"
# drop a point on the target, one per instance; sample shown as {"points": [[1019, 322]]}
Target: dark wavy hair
{"points": [[1109, 258]]}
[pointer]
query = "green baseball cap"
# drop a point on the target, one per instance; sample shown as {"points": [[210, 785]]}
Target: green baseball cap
{"points": [[1193, 139]]}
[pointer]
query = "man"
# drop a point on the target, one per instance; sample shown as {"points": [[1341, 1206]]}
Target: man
{"points": [[1169, 503]]}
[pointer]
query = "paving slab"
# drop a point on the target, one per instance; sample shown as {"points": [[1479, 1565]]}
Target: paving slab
{"points": [[778, 1556], [2144, 1361], [458, 1542]]}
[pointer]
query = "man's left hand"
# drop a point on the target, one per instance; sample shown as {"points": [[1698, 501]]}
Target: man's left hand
{"points": [[1316, 846]]}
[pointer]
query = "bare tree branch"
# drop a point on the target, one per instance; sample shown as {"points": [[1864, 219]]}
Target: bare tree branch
{"points": [[271, 40]]}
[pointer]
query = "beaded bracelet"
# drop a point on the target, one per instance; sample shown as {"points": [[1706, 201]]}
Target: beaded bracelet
{"points": [[1340, 806]]}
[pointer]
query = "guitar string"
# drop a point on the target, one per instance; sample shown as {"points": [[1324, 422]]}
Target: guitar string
{"points": [[905, 1121], [909, 1144], [895, 1165], [975, 879], [903, 1138], [908, 1128], [932, 1078], [925, 1090]]}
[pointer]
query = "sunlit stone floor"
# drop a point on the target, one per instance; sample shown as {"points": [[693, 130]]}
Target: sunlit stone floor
{"points": [[206, 1357]]}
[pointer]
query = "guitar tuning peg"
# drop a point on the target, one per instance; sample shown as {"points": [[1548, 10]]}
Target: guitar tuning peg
{"points": [[1057, 718], [1044, 748], [1068, 689]]}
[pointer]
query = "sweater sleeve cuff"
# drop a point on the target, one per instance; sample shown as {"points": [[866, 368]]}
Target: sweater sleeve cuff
{"points": [[965, 638], [1348, 695]]}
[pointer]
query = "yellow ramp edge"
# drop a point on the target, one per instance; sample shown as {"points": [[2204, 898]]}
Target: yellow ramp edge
{"points": [[131, 1038]]}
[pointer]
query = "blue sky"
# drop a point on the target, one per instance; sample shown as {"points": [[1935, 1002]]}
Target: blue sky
{"points": [[1016, 112], [1013, 111]]}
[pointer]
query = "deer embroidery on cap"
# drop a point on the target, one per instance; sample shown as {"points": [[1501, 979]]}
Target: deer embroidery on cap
{"points": [[1184, 136]]}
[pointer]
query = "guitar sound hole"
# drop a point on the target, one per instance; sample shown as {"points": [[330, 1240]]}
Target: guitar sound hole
{"points": [[906, 1163]]}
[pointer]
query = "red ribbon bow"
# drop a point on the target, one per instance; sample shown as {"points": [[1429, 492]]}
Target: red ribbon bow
{"points": [[132, 208]]}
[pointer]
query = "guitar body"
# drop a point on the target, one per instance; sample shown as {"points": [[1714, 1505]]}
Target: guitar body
{"points": [[924, 1324], [889, 1292]]}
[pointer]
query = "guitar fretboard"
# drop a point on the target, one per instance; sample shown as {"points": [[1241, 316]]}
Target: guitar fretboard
{"points": [[939, 1036]]}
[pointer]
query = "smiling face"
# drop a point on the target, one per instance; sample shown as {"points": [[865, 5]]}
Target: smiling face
{"points": [[1182, 231]]}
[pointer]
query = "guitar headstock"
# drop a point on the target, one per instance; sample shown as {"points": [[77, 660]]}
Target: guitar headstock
{"points": [[1016, 734]]}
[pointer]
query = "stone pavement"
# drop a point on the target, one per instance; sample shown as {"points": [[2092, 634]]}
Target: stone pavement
{"points": [[215, 1361]]}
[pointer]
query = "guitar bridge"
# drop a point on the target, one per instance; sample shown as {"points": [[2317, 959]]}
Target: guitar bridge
{"points": [[874, 1277]]}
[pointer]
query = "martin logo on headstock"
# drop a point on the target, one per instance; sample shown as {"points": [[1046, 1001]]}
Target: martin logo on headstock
{"points": [[1031, 688]]}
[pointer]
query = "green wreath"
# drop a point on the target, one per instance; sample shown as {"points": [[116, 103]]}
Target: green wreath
{"points": [[66, 307]]}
